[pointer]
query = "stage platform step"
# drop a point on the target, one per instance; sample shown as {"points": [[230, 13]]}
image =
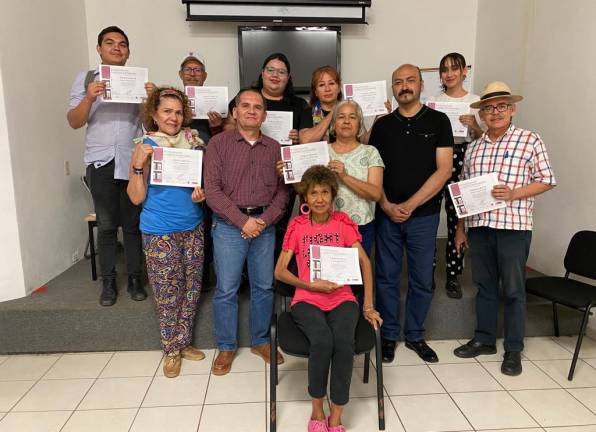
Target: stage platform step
{"points": [[67, 317]]}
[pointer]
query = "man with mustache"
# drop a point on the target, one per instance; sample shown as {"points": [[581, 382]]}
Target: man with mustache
{"points": [[416, 144], [193, 72], [499, 240]]}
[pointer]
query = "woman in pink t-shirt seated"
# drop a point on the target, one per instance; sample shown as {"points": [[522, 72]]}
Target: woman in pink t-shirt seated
{"points": [[327, 313]]}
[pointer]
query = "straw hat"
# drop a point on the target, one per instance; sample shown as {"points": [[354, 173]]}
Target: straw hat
{"points": [[494, 90]]}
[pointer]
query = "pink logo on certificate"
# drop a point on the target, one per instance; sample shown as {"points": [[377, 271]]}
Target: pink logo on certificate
{"points": [[431, 105], [454, 189], [316, 252], [190, 92], [158, 153], [105, 72], [287, 153], [349, 90]]}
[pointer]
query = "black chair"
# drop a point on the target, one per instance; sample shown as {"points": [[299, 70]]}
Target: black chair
{"points": [[580, 259], [291, 341]]}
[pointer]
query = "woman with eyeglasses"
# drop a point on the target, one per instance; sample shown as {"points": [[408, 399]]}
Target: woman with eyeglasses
{"points": [[171, 225], [325, 92], [275, 84], [453, 70]]}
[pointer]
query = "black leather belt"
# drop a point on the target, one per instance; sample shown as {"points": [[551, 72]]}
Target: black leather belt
{"points": [[252, 210]]}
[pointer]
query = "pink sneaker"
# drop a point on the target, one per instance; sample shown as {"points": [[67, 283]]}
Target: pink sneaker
{"points": [[317, 425]]}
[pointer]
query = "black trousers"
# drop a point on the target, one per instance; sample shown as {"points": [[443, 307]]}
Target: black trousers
{"points": [[331, 335], [113, 208], [454, 262]]}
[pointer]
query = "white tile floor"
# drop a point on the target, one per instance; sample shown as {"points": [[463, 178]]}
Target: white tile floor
{"points": [[126, 391]]}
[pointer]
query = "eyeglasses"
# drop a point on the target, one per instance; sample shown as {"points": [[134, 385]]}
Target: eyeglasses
{"points": [[490, 109], [273, 71], [189, 70]]}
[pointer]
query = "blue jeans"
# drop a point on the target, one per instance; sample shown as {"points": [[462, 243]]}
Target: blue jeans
{"points": [[230, 251], [500, 255], [417, 235], [367, 231]]}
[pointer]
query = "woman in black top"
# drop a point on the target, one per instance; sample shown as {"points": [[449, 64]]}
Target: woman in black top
{"points": [[275, 84]]}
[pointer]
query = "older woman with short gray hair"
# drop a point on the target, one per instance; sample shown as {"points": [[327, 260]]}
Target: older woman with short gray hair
{"points": [[359, 168]]}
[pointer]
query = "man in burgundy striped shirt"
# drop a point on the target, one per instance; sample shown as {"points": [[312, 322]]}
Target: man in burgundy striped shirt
{"points": [[248, 198]]}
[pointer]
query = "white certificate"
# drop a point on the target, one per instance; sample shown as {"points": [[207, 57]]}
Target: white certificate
{"points": [[335, 264], [297, 159], [206, 99], [124, 84], [453, 110], [474, 196], [278, 125], [176, 167], [370, 96]]}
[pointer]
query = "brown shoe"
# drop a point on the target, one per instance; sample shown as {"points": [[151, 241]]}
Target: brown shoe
{"points": [[265, 352], [223, 362], [192, 353], [172, 364]]}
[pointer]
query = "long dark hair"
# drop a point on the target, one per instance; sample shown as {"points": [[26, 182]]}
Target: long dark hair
{"points": [[289, 90], [456, 59]]}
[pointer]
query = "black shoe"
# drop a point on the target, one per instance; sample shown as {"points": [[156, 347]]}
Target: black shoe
{"points": [[453, 288], [387, 350], [474, 348], [135, 289], [511, 363], [425, 352], [108, 293]]}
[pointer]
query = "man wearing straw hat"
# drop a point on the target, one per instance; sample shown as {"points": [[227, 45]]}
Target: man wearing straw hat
{"points": [[499, 240]]}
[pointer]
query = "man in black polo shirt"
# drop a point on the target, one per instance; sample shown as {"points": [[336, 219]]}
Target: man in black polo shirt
{"points": [[416, 144]]}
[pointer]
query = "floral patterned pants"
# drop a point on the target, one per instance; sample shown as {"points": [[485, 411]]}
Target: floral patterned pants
{"points": [[175, 269]]}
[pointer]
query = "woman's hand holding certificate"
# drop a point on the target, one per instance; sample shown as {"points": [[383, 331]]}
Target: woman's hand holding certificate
{"points": [[336, 264], [176, 167]]}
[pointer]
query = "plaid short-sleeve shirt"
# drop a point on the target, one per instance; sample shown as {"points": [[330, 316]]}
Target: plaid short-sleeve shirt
{"points": [[519, 157]]}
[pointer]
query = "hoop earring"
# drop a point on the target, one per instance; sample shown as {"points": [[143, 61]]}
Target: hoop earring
{"points": [[304, 209]]}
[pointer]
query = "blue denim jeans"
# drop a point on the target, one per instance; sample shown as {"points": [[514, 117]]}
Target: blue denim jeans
{"points": [[367, 231], [500, 255], [231, 251], [417, 235]]}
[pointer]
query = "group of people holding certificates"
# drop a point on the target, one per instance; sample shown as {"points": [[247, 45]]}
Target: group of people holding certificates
{"points": [[234, 176]]}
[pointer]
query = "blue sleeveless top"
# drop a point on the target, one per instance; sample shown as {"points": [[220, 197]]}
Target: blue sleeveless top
{"points": [[169, 209]]}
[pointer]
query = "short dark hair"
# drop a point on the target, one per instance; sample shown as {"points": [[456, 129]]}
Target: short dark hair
{"points": [[252, 90], [318, 175], [111, 29], [289, 90], [456, 59]]}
